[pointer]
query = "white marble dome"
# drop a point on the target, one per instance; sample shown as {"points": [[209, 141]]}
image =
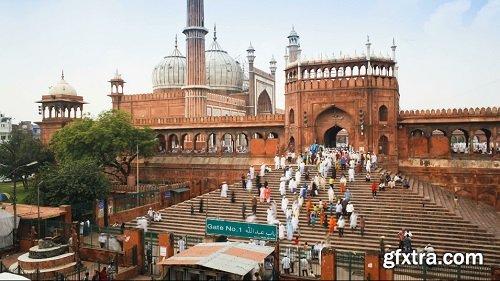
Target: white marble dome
{"points": [[170, 72], [223, 72], [62, 88]]}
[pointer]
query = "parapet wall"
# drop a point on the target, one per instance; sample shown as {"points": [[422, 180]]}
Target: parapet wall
{"points": [[478, 180], [455, 112]]}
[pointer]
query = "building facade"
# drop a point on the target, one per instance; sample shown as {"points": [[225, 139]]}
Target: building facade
{"points": [[5, 127], [210, 108]]}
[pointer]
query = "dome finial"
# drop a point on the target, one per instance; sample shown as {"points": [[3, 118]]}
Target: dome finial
{"points": [[176, 41], [62, 74], [215, 31]]}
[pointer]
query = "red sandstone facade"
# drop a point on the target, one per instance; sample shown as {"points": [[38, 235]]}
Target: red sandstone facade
{"points": [[214, 121]]}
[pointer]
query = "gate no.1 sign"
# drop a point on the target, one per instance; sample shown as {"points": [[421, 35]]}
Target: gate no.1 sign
{"points": [[241, 229]]}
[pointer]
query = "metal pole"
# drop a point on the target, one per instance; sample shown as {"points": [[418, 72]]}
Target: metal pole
{"points": [[14, 230], [38, 203], [137, 174]]}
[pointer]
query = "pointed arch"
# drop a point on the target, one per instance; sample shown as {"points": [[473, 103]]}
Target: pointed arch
{"points": [[291, 116], [264, 104], [383, 145], [383, 114]]}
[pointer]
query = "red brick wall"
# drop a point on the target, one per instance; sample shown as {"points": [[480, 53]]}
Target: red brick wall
{"points": [[129, 214], [257, 147], [439, 146], [418, 146], [473, 181]]}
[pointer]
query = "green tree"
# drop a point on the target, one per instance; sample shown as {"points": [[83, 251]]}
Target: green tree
{"points": [[111, 140], [20, 150], [71, 182]]}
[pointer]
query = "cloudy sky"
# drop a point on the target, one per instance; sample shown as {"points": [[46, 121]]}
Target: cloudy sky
{"points": [[448, 51]]}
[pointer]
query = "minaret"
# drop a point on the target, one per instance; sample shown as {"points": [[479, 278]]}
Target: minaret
{"points": [[393, 48], [368, 45], [195, 90], [116, 90], [293, 46], [251, 81], [272, 67]]}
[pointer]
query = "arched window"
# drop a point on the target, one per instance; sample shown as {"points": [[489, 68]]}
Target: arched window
{"points": [[382, 114], [383, 145], [291, 116]]}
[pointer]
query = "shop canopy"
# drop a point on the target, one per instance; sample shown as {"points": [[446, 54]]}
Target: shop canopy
{"points": [[233, 257]]}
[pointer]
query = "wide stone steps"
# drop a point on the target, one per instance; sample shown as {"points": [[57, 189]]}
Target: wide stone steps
{"points": [[392, 210]]}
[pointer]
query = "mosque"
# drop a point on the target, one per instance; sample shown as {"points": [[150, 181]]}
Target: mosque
{"points": [[205, 104]]}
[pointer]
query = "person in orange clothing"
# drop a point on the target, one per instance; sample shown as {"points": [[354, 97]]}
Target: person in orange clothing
{"points": [[374, 190], [331, 228], [268, 194], [308, 205], [343, 183]]}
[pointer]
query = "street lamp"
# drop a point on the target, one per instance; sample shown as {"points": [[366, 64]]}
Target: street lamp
{"points": [[14, 178], [38, 203]]}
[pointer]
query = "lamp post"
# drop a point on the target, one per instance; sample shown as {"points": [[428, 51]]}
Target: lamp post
{"points": [[38, 203], [14, 178]]}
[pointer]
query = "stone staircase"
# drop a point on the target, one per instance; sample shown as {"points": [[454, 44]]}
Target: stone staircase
{"points": [[418, 209], [479, 214]]}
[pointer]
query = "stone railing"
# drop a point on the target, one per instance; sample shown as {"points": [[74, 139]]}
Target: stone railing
{"points": [[208, 120], [152, 96], [149, 187], [225, 99]]}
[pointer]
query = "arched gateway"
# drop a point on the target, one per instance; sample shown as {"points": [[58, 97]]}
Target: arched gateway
{"points": [[334, 128]]}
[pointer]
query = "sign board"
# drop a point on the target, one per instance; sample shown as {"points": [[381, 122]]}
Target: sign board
{"points": [[242, 229], [167, 194], [163, 251]]}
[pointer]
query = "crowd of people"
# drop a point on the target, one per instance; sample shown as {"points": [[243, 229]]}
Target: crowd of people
{"points": [[302, 188]]}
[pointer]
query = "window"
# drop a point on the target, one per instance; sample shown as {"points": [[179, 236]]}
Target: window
{"points": [[291, 116], [383, 145], [383, 114]]}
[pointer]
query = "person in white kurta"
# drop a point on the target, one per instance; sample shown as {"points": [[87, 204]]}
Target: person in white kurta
{"points": [[302, 167], [368, 166], [276, 162], [283, 162], [224, 189], [262, 170], [181, 244], [297, 177], [351, 174], [281, 232], [252, 172], [292, 185], [282, 186], [284, 204], [354, 220], [331, 194], [249, 184], [301, 201]]}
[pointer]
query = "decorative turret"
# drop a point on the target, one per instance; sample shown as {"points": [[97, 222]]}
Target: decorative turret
{"points": [[116, 94], [368, 54], [293, 46], [272, 66], [250, 54]]}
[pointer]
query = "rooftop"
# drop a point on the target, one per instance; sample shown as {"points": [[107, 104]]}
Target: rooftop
{"points": [[233, 257], [30, 212]]}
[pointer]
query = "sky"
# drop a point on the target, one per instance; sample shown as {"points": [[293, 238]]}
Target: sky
{"points": [[447, 51]]}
